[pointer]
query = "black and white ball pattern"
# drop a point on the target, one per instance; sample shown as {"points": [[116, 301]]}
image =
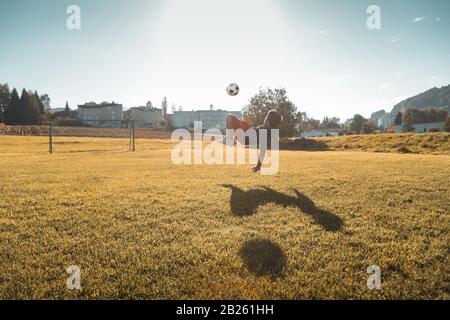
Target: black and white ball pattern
{"points": [[233, 89]]}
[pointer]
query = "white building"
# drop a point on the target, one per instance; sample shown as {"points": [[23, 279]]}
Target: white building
{"points": [[101, 115], [423, 127], [320, 133], [146, 117], [184, 119], [211, 119], [54, 110]]}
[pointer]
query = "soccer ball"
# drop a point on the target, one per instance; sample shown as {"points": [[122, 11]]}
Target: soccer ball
{"points": [[233, 89]]}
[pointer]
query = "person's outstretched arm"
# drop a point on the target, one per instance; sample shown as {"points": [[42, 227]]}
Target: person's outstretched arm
{"points": [[262, 154], [272, 121]]}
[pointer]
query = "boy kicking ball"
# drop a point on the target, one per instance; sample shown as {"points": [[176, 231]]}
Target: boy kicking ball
{"points": [[272, 121]]}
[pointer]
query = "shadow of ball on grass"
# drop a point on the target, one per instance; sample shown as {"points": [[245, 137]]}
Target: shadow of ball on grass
{"points": [[263, 258]]}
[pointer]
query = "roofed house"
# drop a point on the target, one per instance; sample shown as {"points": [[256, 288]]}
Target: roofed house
{"points": [[423, 127], [321, 133], [54, 110], [211, 119], [146, 117], [105, 115]]}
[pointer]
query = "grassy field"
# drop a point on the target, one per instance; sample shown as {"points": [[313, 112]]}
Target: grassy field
{"points": [[142, 227], [422, 143]]}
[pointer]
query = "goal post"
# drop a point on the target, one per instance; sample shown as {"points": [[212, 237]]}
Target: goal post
{"points": [[50, 137], [133, 135]]}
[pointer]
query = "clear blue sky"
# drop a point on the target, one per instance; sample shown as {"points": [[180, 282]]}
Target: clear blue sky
{"points": [[189, 50]]}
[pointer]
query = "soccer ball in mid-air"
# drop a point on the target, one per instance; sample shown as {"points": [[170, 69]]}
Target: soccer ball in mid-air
{"points": [[233, 89]]}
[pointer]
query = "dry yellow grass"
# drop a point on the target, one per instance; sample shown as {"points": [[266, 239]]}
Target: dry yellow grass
{"points": [[423, 143], [141, 227]]}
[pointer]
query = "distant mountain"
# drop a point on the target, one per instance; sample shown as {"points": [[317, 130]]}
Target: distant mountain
{"points": [[377, 115], [436, 97]]}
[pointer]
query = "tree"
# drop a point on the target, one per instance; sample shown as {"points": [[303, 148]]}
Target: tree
{"points": [[164, 107], [5, 96], [23, 115], [67, 110], [411, 117], [45, 100], [332, 123], [306, 123], [39, 103], [166, 123], [368, 127], [24, 110], [357, 123], [447, 124], [272, 99], [407, 122], [28, 109], [312, 124], [127, 115], [398, 119], [12, 111], [149, 104], [429, 115], [300, 118]]}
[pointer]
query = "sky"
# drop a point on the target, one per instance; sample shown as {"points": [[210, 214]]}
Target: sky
{"points": [[133, 51]]}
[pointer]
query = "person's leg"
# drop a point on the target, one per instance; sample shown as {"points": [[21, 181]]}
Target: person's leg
{"points": [[233, 122]]}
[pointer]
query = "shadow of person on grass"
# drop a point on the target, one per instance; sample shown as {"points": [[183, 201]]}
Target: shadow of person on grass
{"points": [[263, 257], [244, 203]]}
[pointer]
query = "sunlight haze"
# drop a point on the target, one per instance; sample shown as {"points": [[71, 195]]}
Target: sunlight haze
{"points": [[189, 51]]}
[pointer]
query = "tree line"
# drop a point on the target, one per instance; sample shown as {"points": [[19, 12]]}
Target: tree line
{"points": [[357, 125], [272, 99], [268, 99], [30, 108], [26, 109], [413, 116]]}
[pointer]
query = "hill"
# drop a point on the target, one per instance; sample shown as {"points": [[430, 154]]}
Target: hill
{"points": [[435, 97]]}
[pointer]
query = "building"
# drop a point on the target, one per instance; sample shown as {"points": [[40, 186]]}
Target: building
{"points": [[55, 110], [184, 119], [423, 127], [106, 115], [320, 133], [211, 119], [146, 117]]}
